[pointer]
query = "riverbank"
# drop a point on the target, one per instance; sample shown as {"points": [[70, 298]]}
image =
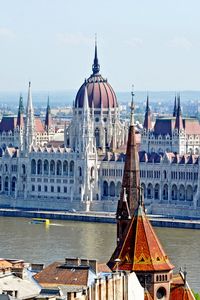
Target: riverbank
{"points": [[98, 217]]}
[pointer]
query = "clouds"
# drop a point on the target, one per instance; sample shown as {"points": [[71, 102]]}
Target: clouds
{"points": [[180, 43], [134, 42], [6, 33], [73, 39]]}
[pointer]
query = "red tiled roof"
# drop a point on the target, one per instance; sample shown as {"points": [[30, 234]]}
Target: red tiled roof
{"points": [[147, 296], [103, 268], [140, 250], [191, 126], [57, 274], [39, 127], [181, 293]]}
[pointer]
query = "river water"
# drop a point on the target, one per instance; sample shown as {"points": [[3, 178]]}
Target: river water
{"points": [[37, 243]]}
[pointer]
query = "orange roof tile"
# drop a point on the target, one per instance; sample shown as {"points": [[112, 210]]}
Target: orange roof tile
{"points": [[140, 250], [39, 127], [147, 296], [181, 293], [4, 264]]}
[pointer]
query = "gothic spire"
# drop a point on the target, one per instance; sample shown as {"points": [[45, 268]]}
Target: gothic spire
{"points": [[175, 107], [130, 181], [30, 122], [48, 120], [20, 116], [179, 120], [95, 66], [147, 119]]}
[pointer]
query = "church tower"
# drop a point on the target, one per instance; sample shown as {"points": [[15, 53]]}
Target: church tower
{"points": [[30, 122], [147, 119], [20, 123], [48, 119], [129, 196]]}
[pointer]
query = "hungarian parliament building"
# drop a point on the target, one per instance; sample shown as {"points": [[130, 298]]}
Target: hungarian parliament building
{"points": [[85, 171]]}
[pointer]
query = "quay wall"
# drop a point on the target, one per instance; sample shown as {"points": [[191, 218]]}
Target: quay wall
{"points": [[157, 221]]}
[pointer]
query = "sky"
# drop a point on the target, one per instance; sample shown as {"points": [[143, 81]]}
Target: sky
{"points": [[153, 44]]}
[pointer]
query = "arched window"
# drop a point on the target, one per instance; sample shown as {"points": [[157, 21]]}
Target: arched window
{"points": [[52, 167], [105, 188], [33, 167], [165, 192], [46, 167], [165, 174], [65, 168], [157, 192], [13, 184], [71, 168], [182, 193], [23, 169], [59, 168], [97, 137], [106, 137], [79, 171], [189, 193], [118, 189], [39, 167], [174, 192], [150, 191], [112, 189], [6, 184]]}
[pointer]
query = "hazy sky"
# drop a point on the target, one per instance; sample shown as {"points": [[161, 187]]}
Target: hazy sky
{"points": [[154, 44]]}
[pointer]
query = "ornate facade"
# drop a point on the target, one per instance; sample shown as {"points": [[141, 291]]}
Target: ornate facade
{"points": [[86, 171]]}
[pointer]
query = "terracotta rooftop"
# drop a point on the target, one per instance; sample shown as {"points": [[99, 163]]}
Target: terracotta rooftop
{"points": [[57, 274], [140, 250]]}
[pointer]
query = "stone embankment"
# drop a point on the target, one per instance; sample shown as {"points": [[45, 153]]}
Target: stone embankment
{"points": [[100, 217]]}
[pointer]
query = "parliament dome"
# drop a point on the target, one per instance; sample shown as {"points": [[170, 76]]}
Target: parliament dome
{"points": [[100, 92]]}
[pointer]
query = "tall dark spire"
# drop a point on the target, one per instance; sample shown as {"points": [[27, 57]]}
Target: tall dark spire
{"points": [[20, 116], [95, 66], [147, 119], [48, 120], [130, 181], [175, 107], [179, 120]]}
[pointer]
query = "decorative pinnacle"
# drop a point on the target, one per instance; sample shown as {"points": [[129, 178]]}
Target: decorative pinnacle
{"points": [[95, 66], [132, 107], [185, 275]]}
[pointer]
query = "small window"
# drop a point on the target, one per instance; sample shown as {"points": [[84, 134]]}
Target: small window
{"points": [[52, 189], [65, 189], [45, 188], [58, 189], [39, 188], [33, 188]]}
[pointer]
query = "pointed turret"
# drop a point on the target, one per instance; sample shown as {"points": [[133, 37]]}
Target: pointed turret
{"points": [[175, 107], [179, 120], [130, 181], [30, 121], [48, 119], [95, 66], [20, 115], [147, 119]]}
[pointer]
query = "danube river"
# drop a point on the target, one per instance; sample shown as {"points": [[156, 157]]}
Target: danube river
{"points": [[37, 243]]}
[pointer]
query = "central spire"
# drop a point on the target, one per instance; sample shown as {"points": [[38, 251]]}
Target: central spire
{"points": [[130, 181], [95, 66]]}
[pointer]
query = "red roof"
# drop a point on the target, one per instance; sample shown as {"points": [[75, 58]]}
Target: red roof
{"points": [[181, 293], [140, 250], [100, 93], [39, 127], [57, 274]]}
